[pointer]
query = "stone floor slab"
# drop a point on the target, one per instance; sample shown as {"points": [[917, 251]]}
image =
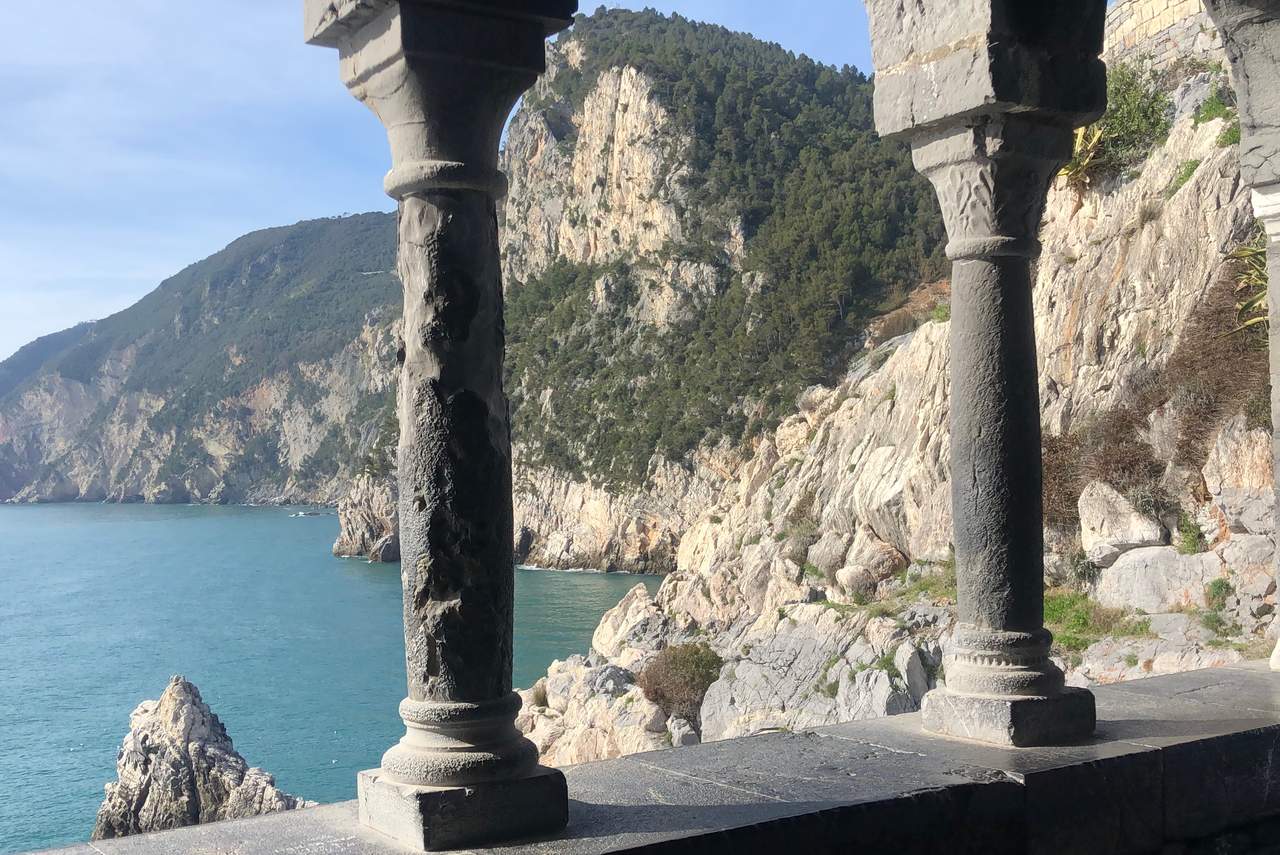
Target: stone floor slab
{"points": [[1242, 689]]}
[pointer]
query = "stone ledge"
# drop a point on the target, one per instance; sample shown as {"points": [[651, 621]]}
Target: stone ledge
{"points": [[1175, 759]]}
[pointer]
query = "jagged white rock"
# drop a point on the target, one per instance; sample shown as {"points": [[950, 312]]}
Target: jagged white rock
{"points": [[178, 767], [368, 522]]}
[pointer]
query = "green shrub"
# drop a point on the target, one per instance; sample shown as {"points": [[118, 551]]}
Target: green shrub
{"points": [[1131, 660], [677, 679], [941, 313], [1190, 537], [1217, 592], [1213, 621], [885, 663], [825, 685], [1136, 121]]}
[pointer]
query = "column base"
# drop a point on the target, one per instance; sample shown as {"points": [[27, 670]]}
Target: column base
{"points": [[1019, 722], [430, 819]]}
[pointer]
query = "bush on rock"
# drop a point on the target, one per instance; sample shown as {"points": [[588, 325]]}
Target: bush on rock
{"points": [[678, 678]]}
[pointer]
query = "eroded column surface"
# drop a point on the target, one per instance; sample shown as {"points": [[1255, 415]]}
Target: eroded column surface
{"points": [[1251, 35], [443, 77], [988, 93]]}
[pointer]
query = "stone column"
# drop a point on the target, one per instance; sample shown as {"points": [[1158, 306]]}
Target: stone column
{"points": [[443, 77], [1251, 35], [988, 92]]}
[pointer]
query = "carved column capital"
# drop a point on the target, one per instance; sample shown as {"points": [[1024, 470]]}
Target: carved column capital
{"points": [[992, 177], [441, 77]]}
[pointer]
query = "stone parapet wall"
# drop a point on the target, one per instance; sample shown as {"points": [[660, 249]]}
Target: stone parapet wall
{"points": [[1163, 31]]}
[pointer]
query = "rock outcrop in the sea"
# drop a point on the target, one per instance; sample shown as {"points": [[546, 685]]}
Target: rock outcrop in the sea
{"points": [[368, 522], [821, 574], [178, 767]]}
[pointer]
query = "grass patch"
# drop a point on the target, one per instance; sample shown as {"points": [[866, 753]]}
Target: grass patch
{"points": [[846, 609], [1183, 175], [881, 610], [1230, 135], [937, 585], [885, 663], [1077, 622], [1131, 660], [1218, 623], [941, 313], [827, 687], [1214, 107]]}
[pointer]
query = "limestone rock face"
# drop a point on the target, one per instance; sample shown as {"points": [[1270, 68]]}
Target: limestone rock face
{"points": [[564, 523], [1124, 269], [178, 767], [582, 183], [1240, 477], [1110, 524], [806, 666], [580, 712], [1157, 579], [369, 526]]}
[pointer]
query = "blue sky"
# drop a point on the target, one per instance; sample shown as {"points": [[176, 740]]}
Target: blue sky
{"points": [[139, 137]]}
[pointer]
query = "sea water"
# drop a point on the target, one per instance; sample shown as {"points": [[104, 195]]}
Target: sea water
{"points": [[300, 654]]}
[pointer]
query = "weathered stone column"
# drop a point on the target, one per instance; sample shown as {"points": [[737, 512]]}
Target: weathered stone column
{"points": [[988, 92], [443, 77], [1251, 35]]}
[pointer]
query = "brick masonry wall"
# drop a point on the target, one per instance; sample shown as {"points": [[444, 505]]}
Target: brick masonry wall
{"points": [[1161, 30]]}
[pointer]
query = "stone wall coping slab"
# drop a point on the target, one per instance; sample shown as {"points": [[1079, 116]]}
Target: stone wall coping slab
{"points": [[1174, 758]]}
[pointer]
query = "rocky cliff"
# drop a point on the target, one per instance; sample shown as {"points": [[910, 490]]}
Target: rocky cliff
{"points": [[821, 574], [178, 767]]}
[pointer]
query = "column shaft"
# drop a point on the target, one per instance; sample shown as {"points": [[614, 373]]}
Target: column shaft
{"points": [[455, 498], [995, 446], [992, 175], [442, 76]]}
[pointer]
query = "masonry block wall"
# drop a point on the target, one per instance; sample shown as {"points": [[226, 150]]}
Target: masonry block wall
{"points": [[1161, 31]]}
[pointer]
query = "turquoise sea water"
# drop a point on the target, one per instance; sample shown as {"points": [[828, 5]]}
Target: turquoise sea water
{"points": [[299, 653]]}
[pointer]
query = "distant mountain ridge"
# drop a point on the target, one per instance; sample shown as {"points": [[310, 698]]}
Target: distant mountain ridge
{"points": [[252, 375]]}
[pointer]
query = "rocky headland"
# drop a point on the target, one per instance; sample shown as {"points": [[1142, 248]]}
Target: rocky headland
{"points": [[177, 767]]}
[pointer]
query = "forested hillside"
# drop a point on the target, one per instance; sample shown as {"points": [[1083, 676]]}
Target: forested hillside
{"points": [[837, 226]]}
